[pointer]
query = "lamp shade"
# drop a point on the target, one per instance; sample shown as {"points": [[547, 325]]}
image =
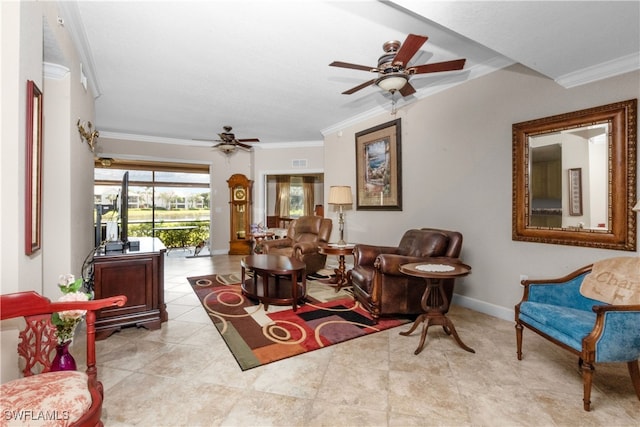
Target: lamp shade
{"points": [[637, 206], [340, 195]]}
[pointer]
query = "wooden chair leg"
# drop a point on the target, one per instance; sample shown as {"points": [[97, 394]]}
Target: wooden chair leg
{"points": [[519, 329], [587, 379], [634, 372]]}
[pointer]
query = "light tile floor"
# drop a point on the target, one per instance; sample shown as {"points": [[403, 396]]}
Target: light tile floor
{"points": [[184, 374]]}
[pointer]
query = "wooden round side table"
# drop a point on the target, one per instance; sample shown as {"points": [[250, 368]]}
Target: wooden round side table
{"points": [[433, 272], [343, 277]]}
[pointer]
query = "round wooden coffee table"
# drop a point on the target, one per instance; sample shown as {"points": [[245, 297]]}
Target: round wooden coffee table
{"points": [[274, 279], [434, 308], [343, 277]]}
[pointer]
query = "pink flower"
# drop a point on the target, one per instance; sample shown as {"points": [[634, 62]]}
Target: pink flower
{"points": [[73, 314], [66, 279]]}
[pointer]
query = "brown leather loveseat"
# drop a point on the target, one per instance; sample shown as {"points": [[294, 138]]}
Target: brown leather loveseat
{"points": [[377, 281], [303, 239]]}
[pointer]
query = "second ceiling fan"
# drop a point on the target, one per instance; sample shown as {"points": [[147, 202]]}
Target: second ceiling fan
{"points": [[228, 143], [393, 69]]}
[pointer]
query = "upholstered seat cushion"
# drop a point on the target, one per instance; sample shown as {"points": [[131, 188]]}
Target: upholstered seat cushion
{"points": [[567, 325], [285, 251], [51, 399]]}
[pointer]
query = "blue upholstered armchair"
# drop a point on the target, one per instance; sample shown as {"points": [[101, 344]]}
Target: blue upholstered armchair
{"points": [[570, 312]]}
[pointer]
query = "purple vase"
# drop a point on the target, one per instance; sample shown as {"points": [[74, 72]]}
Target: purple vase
{"points": [[63, 361]]}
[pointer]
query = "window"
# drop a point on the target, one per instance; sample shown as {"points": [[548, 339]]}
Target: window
{"points": [[296, 197], [160, 195]]}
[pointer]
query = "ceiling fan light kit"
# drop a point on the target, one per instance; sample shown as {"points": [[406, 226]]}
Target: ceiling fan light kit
{"points": [[392, 82], [226, 148]]}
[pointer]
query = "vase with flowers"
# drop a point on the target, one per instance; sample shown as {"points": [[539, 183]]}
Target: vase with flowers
{"points": [[66, 322]]}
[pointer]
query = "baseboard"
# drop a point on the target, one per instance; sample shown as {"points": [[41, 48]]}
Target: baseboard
{"points": [[484, 307]]}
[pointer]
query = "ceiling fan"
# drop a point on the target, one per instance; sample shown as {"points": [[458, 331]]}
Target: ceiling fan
{"points": [[228, 143], [393, 70]]}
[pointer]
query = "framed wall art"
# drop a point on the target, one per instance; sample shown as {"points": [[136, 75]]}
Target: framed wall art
{"points": [[575, 192], [33, 179], [378, 168]]}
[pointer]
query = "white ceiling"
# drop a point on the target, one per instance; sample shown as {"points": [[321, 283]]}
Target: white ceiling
{"points": [[180, 70]]}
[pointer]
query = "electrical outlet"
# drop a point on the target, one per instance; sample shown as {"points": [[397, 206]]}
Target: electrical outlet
{"points": [[523, 277]]}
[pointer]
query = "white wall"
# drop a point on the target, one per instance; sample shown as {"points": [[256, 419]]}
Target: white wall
{"points": [[67, 165], [457, 174], [67, 162], [598, 189], [21, 34], [12, 124]]}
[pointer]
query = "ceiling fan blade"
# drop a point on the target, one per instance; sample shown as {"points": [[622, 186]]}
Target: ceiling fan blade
{"points": [[407, 90], [357, 88], [248, 140], [456, 64], [206, 140], [408, 49], [244, 146], [352, 66]]}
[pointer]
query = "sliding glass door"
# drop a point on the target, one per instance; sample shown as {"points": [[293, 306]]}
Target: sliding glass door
{"points": [[169, 201]]}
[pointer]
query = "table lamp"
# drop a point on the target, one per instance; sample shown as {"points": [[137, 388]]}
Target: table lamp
{"points": [[340, 195]]}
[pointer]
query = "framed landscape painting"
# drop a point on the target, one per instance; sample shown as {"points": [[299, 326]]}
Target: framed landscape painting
{"points": [[378, 168]]}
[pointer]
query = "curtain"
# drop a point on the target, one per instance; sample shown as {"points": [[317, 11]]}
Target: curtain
{"points": [[282, 196], [307, 194]]}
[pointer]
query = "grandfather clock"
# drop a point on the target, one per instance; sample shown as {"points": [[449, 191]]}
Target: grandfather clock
{"points": [[240, 215]]}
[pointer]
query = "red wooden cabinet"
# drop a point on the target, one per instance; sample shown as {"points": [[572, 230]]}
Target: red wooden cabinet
{"points": [[139, 275]]}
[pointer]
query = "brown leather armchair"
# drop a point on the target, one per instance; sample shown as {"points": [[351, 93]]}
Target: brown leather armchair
{"points": [[304, 236], [377, 281]]}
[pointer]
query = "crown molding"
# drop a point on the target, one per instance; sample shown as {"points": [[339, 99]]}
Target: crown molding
{"points": [[150, 138], [292, 144], [54, 71], [73, 23], [615, 67], [193, 143]]}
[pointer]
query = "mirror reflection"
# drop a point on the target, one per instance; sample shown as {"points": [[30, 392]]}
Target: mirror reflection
{"points": [[576, 198]]}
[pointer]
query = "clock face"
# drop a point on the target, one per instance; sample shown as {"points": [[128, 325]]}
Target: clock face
{"points": [[239, 194]]}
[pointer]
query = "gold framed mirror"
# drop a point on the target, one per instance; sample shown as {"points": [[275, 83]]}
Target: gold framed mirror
{"points": [[574, 178]]}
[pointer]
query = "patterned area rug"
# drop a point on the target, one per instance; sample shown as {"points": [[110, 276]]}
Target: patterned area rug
{"points": [[257, 337]]}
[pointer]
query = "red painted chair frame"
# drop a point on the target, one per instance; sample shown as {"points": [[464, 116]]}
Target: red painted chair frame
{"points": [[37, 310]]}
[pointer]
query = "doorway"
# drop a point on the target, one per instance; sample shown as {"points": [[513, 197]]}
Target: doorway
{"points": [[289, 196]]}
